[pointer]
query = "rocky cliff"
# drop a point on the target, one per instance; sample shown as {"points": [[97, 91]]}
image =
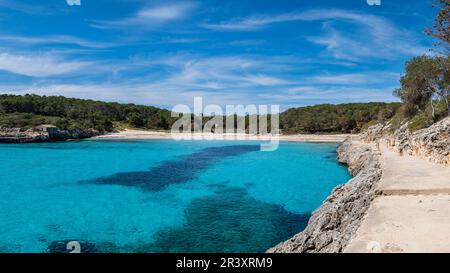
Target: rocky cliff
{"points": [[432, 143], [334, 223]]}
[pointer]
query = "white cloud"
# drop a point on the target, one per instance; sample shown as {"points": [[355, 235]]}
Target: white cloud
{"points": [[225, 73], [265, 80], [149, 17], [23, 7], [255, 22], [144, 93], [356, 78], [371, 36], [304, 95], [39, 65], [54, 39]]}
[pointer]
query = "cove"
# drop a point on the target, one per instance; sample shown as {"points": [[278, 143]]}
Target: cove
{"points": [[160, 195]]}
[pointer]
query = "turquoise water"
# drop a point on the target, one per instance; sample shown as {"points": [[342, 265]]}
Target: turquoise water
{"points": [[160, 195]]}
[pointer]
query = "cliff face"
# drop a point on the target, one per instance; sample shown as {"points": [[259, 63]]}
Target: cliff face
{"points": [[432, 143], [334, 223]]}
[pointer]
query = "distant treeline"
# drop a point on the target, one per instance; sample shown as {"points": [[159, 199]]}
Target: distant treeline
{"points": [[68, 113], [342, 118]]}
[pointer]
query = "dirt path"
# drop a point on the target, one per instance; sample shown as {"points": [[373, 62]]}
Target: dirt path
{"points": [[412, 214]]}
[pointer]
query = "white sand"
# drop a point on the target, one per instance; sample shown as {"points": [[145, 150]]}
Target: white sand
{"points": [[143, 134]]}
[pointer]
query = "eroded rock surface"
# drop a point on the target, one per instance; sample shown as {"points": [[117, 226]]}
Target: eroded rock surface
{"points": [[432, 143], [334, 223]]}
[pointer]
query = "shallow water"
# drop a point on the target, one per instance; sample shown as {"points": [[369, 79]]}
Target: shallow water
{"points": [[160, 195]]}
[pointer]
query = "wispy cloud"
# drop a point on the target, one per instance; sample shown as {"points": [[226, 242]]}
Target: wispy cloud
{"points": [[39, 65], [149, 17], [148, 93], [365, 78], [255, 22], [23, 7], [219, 80], [226, 72], [304, 95], [54, 39], [372, 36], [140, 93]]}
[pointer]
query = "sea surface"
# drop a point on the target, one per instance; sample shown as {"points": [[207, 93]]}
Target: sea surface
{"points": [[160, 195]]}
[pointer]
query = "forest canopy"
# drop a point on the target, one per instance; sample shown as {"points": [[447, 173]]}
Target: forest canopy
{"points": [[68, 113]]}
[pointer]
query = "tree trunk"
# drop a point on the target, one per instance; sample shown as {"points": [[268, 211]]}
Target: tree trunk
{"points": [[446, 102], [432, 107], [448, 107]]}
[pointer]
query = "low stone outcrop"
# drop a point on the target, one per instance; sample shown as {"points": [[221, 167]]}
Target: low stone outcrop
{"points": [[18, 135], [334, 223], [432, 143]]}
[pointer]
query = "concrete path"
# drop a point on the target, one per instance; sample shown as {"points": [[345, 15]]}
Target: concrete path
{"points": [[412, 214]]}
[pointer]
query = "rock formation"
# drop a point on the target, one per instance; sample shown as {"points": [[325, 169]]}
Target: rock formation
{"points": [[334, 223], [19, 135], [432, 143]]}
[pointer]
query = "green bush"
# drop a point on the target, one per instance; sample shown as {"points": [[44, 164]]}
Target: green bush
{"points": [[418, 122]]}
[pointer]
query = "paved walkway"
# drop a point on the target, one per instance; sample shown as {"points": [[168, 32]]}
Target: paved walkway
{"points": [[413, 212]]}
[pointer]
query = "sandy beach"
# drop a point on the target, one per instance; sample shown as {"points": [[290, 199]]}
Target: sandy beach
{"points": [[143, 134]]}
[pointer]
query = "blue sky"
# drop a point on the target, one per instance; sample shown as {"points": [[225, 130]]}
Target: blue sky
{"points": [[162, 53]]}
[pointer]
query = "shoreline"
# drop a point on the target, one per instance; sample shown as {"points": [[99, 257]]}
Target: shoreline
{"points": [[396, 202], [334, 223], [149, 135]]}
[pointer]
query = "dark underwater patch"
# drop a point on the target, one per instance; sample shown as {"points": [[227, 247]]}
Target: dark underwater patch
{"points": [[175, 171], [331, 155], [228, 221]]}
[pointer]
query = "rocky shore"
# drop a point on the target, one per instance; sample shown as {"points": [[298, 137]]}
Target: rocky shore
{"points": [[334, 223], [42, 134]]}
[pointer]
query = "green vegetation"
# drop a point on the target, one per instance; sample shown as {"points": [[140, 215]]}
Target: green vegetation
{"points": [[25, 120], [424, 91], [342, 118], [425, 83], [67, 113], [424, 88], [441, 27]]}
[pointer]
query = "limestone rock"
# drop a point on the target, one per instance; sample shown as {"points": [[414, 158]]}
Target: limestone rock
{"points": [[333, 224]]}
